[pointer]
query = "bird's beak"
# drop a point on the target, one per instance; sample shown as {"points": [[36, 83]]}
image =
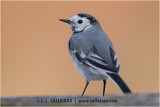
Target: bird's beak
{"points": [[65, 20]]}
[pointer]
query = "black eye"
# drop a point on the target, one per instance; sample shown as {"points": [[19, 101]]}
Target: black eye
{"points": [[80, 21]]}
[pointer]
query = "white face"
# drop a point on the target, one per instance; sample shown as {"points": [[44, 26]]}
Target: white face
{"points": [[79, 24]]}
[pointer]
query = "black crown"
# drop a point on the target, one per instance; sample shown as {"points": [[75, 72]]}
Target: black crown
{"points": [[88, 16]]}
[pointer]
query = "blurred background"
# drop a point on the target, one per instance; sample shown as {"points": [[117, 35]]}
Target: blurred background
{"points": [[35, 57]]}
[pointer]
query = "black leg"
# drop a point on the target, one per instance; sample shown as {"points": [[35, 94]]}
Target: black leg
{"points": [[85, 88], [104, 86]]}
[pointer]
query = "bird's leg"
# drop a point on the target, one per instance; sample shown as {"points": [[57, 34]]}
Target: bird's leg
{"points": [[104, 86], [85, 88]]}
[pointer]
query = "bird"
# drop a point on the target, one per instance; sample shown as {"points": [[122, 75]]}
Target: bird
{"points": [[92, 52]]}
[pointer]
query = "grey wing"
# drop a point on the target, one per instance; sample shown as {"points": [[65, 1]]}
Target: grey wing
{"points": [[93, 59]]}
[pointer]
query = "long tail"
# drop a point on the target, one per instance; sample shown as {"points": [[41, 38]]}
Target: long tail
{"points": [[118, 80]]}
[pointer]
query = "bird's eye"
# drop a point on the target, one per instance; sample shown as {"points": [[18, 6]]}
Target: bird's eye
{"points": [[80, 21]]}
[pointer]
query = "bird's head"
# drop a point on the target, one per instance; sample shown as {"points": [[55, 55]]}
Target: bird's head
{"points": [[81, 22]]}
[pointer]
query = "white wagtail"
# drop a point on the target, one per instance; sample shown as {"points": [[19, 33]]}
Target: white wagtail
{"points": [[92, 52]]}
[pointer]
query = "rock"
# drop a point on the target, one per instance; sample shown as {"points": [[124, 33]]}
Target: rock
{"points": [[141, 99]]}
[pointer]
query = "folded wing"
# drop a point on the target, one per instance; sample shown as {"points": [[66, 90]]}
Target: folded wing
{"points": [[94, 60]]}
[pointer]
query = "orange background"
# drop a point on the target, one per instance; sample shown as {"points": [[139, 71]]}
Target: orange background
{"points": [[35, 57]]}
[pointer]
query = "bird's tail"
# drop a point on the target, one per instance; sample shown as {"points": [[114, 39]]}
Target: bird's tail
{"points": [[118, 80]]}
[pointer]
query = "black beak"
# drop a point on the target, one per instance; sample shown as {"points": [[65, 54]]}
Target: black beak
{"points": [[65, 20]]}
